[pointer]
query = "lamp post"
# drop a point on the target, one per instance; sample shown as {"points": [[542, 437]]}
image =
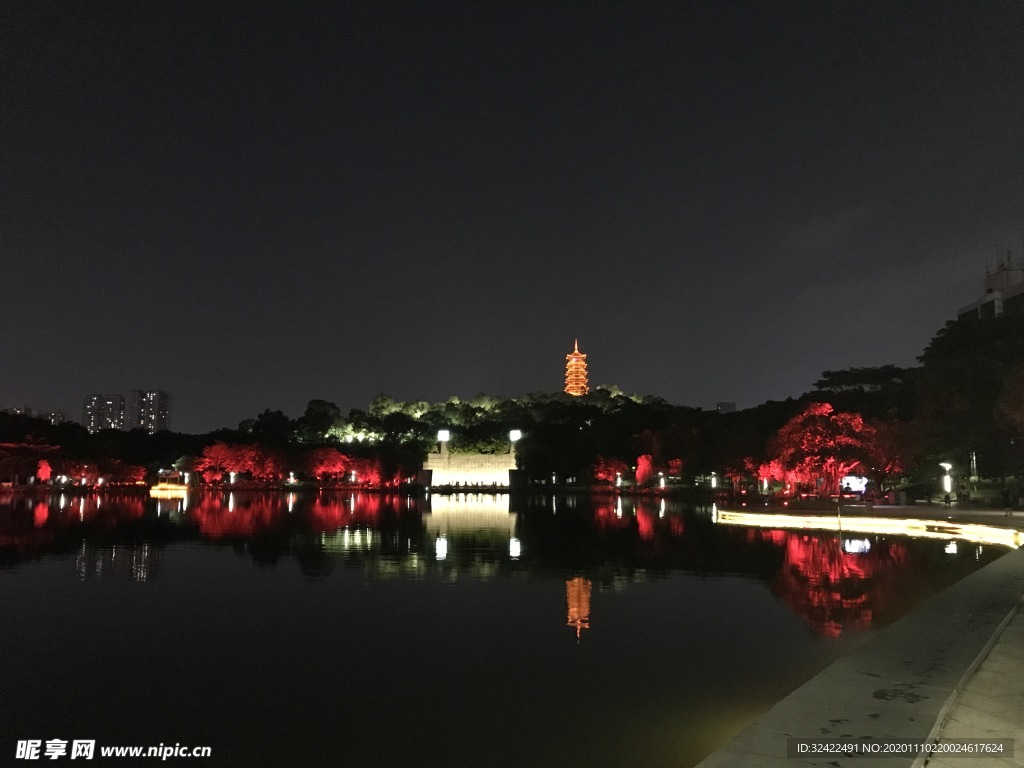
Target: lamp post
{"points": [[947, 479]]}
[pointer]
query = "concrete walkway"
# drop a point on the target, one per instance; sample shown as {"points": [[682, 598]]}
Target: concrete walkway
{"points": [[953, 668], [939, 511], [991, 704]]}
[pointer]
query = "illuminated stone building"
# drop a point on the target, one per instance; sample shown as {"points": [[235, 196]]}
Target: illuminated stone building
{"points": [[577, 598], [576, 372], [443, 469]]}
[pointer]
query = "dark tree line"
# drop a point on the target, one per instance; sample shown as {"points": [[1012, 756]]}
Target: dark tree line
{"points": [[966, 396]]}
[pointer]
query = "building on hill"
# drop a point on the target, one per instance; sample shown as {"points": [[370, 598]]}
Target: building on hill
{"points": [[145, 409], [103, 412], [1003, 294], [149, 409], [576, 372], [55, 417]]}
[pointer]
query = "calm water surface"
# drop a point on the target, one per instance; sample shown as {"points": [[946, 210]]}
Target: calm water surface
{"points": [[336, 629]]}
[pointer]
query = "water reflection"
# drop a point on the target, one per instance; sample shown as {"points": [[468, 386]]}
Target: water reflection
{"points": [[435, 610], [247, 516], [473, 534], [134, 562], [577, 598], [835, 585]]}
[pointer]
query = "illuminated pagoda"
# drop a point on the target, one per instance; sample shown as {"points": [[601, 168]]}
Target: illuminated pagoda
{"points": [[576, 372], [577, 597]]}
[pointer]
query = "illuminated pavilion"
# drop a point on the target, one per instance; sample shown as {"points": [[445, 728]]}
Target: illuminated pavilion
{"points": [[576, 372]]}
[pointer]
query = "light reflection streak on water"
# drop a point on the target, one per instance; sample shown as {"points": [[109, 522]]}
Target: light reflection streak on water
{"points": [[915, 528]]}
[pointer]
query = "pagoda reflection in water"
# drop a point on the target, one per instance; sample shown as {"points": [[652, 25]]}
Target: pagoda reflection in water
{"points": [[577, 599]]}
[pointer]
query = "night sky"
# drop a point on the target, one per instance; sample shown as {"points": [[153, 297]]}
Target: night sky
{"points": [[253, 205]]}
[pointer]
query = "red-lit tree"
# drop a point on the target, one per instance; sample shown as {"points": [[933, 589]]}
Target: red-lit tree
{"points": [[607, 470], [644, 469], [771, 471], [80, 471], [893, 445], [221, 458], [326, 464], [116, 471], [741, 473], [265, 464], [823, 445], [43, 471], [366, 471]]}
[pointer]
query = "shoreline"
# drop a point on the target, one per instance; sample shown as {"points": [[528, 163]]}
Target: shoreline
{"points": [[900, 685]]}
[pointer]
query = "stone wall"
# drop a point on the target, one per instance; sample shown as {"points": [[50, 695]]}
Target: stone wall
{"points": [[469, 469]]}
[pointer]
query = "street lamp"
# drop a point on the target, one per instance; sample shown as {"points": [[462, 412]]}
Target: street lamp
{"points": [[947, 479]]}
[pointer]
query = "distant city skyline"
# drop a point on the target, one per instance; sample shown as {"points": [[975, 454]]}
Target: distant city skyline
{"points": [[54, 416], [145, 409]]}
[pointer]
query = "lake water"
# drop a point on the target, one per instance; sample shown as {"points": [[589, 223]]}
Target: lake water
{"points": [[336, 629]]}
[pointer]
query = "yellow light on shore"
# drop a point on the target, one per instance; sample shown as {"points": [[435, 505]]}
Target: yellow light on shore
{"points": [[922, 529], [168, 491]]}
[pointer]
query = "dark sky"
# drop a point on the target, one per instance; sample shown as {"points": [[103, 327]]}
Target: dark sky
{"points": [[252, 205]]}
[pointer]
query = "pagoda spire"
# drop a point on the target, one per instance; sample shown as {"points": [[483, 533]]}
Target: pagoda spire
{"points": [[576, 371]]}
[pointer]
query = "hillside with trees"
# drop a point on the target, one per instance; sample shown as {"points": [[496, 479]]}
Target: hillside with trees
{"points": [[891, 424]]}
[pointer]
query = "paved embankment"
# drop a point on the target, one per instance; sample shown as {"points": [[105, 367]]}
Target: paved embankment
{"points": [[991, 705], [903, 683]]}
